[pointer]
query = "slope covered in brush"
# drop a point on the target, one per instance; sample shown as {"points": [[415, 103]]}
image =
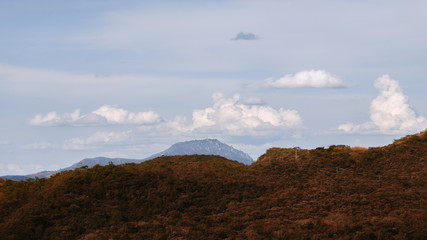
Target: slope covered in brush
{"points": [[325, 193]]}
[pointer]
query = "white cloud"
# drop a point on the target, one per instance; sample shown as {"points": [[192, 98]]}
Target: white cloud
{"points": [[38, 146], [230, 116], [96, 140], [311, 78], [54, 119], [390, 112], [252, 101], [121, 116], [104, 115]]}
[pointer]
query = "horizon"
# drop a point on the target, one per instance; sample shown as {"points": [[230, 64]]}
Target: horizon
{"points": [[128, 79], [147, 158]]}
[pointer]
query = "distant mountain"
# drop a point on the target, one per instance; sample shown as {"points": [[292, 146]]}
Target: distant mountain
{"points": [[205, 147], [43, 174], [195, 147], [89, 162], [16, 177]]}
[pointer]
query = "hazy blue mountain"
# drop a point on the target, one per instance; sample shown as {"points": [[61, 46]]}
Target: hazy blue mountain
{"points": [[205, 147], [89, 162], [15, 177], [200, 147]]}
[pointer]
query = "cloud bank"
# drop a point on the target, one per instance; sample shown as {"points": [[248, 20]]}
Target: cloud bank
{"points": [[104, 115], [390, 112], [226, 117], [311, 78]]}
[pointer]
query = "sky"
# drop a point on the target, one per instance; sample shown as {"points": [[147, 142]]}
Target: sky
{"points": [[81, 79]]}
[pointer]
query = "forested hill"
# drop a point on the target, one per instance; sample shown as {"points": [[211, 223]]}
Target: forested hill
{"points": [[325, 193]]}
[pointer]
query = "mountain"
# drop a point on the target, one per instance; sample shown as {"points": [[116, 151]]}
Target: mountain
{"points": [[89, 162], [43, 174], [195, 147], [205, 147]]}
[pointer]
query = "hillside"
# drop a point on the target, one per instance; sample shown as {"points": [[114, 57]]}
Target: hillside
{"points": [[325, 193]]}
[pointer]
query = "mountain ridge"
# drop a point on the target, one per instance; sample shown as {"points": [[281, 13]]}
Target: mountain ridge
{"points": [[192, 147]]}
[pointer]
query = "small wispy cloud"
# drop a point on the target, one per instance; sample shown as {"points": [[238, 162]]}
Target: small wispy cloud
{"points": [[104, 115], [14, 168], [390, 112], [19, 169], [245, 36], [38, 146], [96, 140], [306, 79]]}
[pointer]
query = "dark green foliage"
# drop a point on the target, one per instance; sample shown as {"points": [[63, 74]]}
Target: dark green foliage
{"points": [[332, 193]]}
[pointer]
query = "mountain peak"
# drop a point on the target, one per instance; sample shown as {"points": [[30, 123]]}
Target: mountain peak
{"points": [[205, 147], [207, 141]]}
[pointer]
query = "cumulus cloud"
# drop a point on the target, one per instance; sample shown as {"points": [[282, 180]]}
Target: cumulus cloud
{"points": [[311, 78], [53, 119], [102, 116], [230, 116], [233, 116], [245, 36], [96, 140], [390, 112], [252, 101], [120, 116]]}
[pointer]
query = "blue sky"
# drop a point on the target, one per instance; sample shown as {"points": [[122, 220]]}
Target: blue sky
{"points": [[82, 79]]}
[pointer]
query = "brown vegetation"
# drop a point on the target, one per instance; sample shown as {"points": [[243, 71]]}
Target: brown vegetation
{"points": [[324, 193]]}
